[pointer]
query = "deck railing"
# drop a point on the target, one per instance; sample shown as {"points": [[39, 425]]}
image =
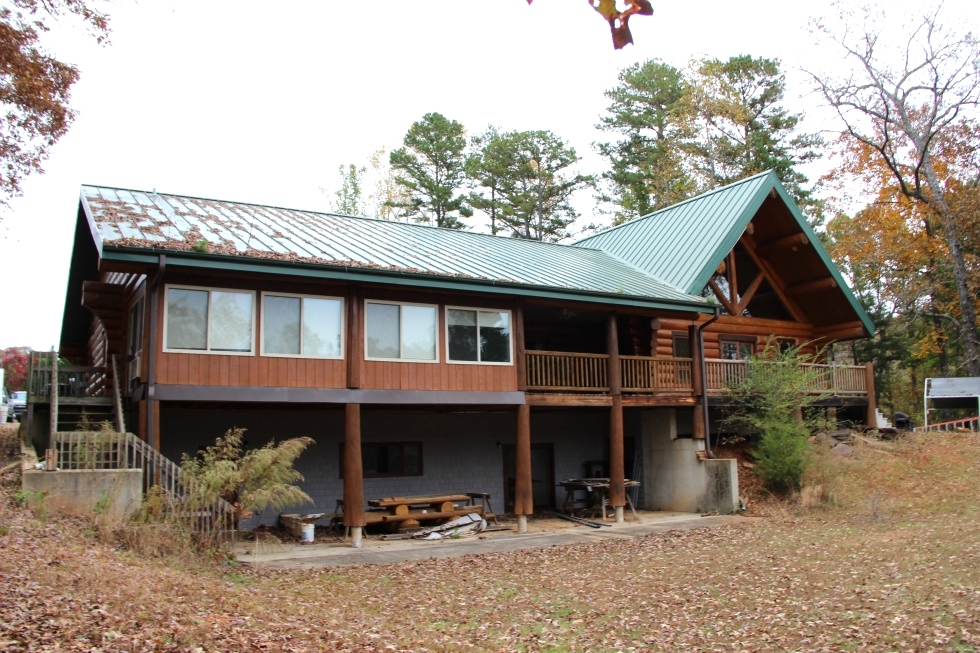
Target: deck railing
{"points": [[553, 370], [108, 450], [646, 374], [73, 380], [572, 372]]}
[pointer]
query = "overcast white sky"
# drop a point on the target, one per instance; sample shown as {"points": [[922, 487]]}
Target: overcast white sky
{"points": [[239, 101]]}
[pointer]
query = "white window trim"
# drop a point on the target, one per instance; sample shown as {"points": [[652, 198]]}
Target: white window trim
{"points": [[400, 347], [206, 352], [488, 310], [343, 335]]}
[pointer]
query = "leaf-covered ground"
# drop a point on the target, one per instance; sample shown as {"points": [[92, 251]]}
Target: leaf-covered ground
{"points": [[891, 564]]}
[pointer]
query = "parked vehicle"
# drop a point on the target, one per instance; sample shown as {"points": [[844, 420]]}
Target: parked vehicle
{"points": [[18, 404]]}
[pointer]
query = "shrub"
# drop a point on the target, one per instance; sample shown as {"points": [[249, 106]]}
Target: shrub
{"points": [[770, 400]]}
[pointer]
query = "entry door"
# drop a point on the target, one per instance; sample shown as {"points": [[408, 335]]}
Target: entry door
{"points": [[542, 475]]}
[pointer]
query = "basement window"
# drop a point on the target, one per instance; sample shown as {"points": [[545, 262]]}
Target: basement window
{"points": [[209, 320], [385, 459]]}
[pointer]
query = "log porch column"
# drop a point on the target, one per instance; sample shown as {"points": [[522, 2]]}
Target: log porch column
{"points": [[698, 384], [871, 418], [617, 465], [523, 490], [353, 474]]}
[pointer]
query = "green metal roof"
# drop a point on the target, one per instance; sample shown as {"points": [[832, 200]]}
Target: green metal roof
{"points": [[683, 244], [137, 225]]}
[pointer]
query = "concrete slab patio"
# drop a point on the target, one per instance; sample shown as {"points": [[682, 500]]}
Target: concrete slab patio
{"points": [[541, 533]]}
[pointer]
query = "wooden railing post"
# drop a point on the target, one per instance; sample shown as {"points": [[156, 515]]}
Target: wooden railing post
{"points": [[53, 396]]}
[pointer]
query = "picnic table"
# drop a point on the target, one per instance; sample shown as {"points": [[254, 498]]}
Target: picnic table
{"points": [[596, 492], [410, 512]]}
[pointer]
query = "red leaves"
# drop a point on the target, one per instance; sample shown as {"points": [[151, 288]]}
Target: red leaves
{"points": [[619, 20]]}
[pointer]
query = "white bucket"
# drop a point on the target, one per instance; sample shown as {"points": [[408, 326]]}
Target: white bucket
{"points": [[307, 533], [3, 413]]}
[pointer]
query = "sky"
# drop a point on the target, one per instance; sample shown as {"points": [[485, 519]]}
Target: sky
{"points": [[229, 100]]}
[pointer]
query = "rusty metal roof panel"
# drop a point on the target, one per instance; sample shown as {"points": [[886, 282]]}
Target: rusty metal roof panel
{"points": [[137, 219]]}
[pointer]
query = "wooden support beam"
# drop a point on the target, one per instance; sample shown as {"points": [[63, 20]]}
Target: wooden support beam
{"points": [[811, 286], [614, 370], [750, 292], [869, 384], [777, 285], [617, 463], [721, 297], [353, 468], [523, 490], [355, 338], [521, 361], [697, 383], [733, 282], [793, 241]]}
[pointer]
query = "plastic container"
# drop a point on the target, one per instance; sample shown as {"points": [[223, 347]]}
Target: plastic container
{"points": [[306, 536]]}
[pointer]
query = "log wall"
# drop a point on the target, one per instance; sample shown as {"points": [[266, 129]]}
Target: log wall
{"points": [[757, 329]]}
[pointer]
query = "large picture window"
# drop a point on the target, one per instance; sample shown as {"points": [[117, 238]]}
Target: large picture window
{"points": [[478, 335], [401, 331], [301, 326], [209, 320], [735, 348]]}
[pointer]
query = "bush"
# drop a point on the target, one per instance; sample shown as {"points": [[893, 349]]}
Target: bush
{"points": [[783, 456], [770, 400]]}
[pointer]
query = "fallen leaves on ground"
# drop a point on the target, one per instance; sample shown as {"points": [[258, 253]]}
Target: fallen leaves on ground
{"points": [[857, 577]]}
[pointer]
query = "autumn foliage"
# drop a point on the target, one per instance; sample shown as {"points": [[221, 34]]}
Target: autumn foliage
{"points": [[14, 364], [619, 19]]}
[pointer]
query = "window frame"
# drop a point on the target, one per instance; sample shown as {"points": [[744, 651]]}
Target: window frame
{"points": [[510, 335], [208, 351], [737, 340], [301, 296], [401, 347], [680, 335], [388, 443]]}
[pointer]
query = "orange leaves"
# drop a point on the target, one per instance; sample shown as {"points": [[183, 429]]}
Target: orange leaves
{"points": [[619, 20]]}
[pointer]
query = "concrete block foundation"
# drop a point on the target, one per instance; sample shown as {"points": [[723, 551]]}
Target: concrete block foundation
{"points": [[120, 491]]}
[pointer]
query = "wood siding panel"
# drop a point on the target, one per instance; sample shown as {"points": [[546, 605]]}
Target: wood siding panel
{"points": [[392, 375]]}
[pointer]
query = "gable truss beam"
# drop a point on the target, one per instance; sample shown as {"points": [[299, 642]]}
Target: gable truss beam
{"points": [[794, 241], [811, 286], [722, 298], [751, 249]]}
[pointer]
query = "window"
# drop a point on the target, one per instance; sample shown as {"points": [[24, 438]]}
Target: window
{"points": [[302, 326], [785, 344], [734, 348], [388, 459], [478, 336], [209, 320], [401, 332], [682, 345]]}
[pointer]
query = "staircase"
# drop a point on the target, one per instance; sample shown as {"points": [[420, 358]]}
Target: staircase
{"points": [[77, 450], [881, 422]]}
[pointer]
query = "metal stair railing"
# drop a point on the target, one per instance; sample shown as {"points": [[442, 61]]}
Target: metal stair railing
{"points": [[108, 450]]}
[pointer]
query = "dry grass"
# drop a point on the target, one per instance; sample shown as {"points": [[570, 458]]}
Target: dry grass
{"points": [[890, 563]]}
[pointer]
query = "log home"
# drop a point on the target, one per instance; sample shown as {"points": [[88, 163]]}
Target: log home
{"points": [[424, 360]]}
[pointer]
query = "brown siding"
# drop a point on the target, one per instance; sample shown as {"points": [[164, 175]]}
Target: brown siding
{"points": [[265, 371]]}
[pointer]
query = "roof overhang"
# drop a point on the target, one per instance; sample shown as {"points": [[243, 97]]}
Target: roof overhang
{"points": [[202, 261]]}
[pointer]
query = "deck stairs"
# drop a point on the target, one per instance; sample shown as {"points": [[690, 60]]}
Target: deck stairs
{"points": [[881, 421]]}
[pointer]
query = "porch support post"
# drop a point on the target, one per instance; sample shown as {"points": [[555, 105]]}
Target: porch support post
{"points": [[698, 384], [355, 338], [523, 491], [353, 474], [521, 353], [871, 419], [617, 465]]}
